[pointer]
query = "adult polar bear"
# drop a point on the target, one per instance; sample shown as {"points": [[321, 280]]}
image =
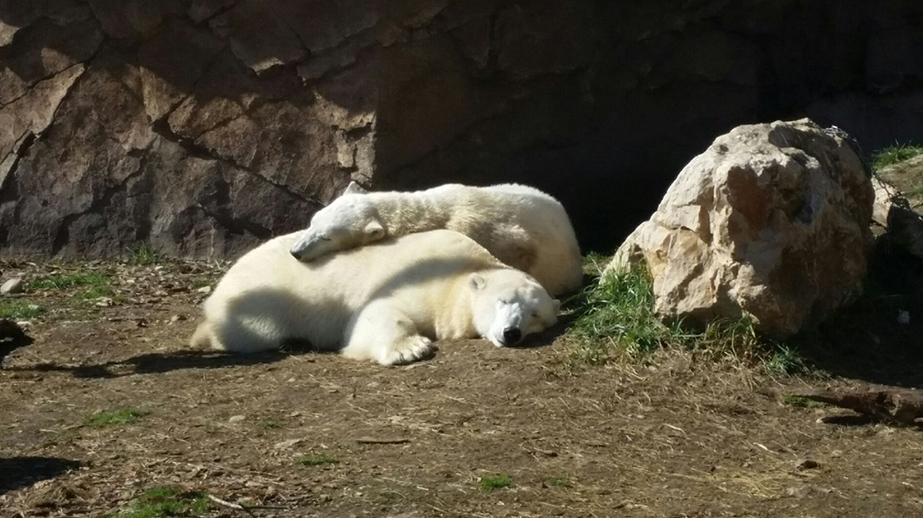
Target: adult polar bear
{"points": [[384, 302], [522, 226]]}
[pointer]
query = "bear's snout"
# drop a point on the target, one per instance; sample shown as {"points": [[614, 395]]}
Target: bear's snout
{"points": [[511, 335]]}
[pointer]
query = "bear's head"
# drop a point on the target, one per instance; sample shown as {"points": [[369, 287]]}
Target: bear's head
{"points": [[349, 221], [508, 305]]}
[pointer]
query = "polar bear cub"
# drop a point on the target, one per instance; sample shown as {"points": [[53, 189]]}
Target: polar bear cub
{"points": [[520, 225], [385, 302]]}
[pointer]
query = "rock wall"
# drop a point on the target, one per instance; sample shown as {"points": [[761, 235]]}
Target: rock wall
{"points": [[202, 126]]}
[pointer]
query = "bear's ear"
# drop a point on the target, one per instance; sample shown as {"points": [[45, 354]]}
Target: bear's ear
{"points": [[557, 306], [354, 188], [374, 230], [477, 282]]}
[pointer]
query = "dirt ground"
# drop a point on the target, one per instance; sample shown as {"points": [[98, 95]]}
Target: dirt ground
{"points": [[678, 437]]}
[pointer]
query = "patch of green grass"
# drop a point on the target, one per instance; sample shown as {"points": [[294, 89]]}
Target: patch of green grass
{"points": [[64, 281], [617, 313], [167, 502], [490, 483], [118, 417], [784, 360], [316, 459], [19, 309], [561, 481], [801, 402], [96, 292], [144, 255], [617, 319], [94, 284], [894, 154]]}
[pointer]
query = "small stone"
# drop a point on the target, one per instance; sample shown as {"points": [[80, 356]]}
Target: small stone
{"points": [[284, 445], [236, 418], [903, 318], [176, 318], [807, 464], [11, 286], [104, 302], [204, 290]]}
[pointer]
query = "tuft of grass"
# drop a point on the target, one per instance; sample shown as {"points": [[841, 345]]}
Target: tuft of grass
{"points": [[316, 459], [801, 402], [94, 284], [784, 360], [167, 502], [490, 483], [618, 314], [617, 319], [19, 309], [594, 263], [65, 281], [118, 417], [895, 154], [143, 254]]}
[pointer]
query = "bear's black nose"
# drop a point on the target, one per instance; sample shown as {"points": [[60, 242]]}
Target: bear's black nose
{"points": [[511, 335]]}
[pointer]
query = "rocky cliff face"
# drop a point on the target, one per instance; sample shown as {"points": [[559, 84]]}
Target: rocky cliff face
{"points": [[202, 126]]}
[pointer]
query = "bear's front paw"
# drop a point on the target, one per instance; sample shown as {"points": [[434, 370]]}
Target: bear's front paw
{"points": [[409, 350]]}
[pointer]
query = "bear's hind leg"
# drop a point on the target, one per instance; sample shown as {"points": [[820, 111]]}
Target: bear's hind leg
{"points": [[382, 333], [513, 246]]}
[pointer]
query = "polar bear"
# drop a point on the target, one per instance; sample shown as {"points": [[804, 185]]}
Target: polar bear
{"points": [[385, 302], [520, 225]]}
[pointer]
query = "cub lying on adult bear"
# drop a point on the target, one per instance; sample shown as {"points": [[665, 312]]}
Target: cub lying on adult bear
{"points": [[385, 302], [520, 225]]}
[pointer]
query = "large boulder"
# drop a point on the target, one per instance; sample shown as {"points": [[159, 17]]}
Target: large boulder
{"points": [[770, 223]]}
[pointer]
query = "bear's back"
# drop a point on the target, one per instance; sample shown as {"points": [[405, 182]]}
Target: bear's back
{"points": [[354, 276]]}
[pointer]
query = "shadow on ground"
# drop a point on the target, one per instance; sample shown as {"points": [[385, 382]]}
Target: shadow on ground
{"points": [[866, 341], [156, 363], [12, 337], [19, 472]]}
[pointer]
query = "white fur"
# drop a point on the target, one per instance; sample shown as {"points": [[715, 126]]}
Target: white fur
{"points": [[522, 226], [384, 302]]}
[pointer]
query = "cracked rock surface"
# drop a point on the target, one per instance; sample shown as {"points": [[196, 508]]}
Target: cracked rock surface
{"points": [[771, 222], [203, 126]]}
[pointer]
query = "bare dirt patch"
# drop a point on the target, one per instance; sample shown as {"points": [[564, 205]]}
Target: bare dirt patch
{"points": [[108, 402]]}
